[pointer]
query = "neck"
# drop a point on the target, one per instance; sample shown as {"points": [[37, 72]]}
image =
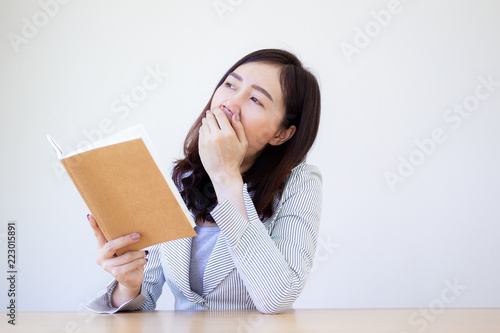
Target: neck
{"points": [[245, 166], [248, 162]]}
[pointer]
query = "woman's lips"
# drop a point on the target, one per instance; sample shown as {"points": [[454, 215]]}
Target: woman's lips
{"points": [[228, 113]]}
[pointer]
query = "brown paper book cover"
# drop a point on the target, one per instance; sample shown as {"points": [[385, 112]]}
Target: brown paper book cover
{"points": [[126, 192]]}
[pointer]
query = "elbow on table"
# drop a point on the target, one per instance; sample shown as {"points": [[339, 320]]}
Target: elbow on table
{"points": [[272, 309], [276, 304], [282, 299]]}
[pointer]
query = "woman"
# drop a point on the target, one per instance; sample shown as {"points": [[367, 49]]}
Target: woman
{"points": [[255, 200]]}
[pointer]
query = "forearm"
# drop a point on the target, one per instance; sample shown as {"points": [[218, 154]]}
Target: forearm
{"points": [[273, 270], [274, 259], [273, 282]]}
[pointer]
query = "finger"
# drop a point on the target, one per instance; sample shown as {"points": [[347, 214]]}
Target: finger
{"points": [[123, 259], [222, 119], [101, 240], [238, 128], [110, 248], [204, 126], [212, 122], [120, 271]]}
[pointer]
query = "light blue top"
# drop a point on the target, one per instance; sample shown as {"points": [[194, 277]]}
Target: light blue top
{"points": [[201, 248]]}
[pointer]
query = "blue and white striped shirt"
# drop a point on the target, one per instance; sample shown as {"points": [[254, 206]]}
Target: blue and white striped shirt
{"points": [[253, 265]]}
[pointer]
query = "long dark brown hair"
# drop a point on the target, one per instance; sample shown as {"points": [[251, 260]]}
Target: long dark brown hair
{"points": [[267, 176]]}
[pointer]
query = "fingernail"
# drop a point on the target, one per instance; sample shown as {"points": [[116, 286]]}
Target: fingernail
{"points": [[237, 116], [88, 215], [136, 236], [147, 252]]}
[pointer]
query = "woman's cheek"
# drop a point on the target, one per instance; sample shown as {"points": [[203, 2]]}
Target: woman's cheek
{"points": [[259, 136]]}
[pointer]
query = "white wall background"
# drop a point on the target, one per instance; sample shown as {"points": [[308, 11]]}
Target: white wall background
{"points": [[378, 247]]}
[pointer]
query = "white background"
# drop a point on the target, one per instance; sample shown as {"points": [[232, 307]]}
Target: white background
{"points": [[378, 247]]}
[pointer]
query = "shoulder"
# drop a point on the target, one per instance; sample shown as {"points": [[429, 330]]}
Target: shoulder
{"points": [[304, 172], [303, 177], [301, 196]]}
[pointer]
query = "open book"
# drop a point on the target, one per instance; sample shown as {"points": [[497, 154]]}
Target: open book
{"points": [[127, 191]]}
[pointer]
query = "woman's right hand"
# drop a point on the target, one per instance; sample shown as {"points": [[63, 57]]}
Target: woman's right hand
{"points": [[127, 268]]}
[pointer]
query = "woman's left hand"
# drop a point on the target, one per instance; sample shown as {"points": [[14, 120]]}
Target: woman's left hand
{"points": [[222, 146]]}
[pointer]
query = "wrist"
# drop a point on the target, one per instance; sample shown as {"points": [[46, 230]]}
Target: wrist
{"points": [[228, 186], [225, 179], [129, 291], [232, 191], [122, 294]]}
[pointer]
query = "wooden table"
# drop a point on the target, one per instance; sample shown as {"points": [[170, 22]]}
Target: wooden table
{"points": [[300, 320]]}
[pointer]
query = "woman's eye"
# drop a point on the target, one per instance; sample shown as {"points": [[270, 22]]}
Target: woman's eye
{"points": [[256, 100], [229, 85]]}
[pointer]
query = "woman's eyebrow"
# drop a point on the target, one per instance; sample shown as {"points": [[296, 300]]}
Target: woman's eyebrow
{"points": [[256, 87]]}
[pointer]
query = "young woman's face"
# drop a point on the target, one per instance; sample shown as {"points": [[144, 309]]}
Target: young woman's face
{"points": [[254, 91]]}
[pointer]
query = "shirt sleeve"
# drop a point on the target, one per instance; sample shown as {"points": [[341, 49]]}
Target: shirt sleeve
{"points": [[274, 265], [151, 288]]}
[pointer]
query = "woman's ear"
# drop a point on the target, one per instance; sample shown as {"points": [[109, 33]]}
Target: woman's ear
{"points": [[283, 135]]}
